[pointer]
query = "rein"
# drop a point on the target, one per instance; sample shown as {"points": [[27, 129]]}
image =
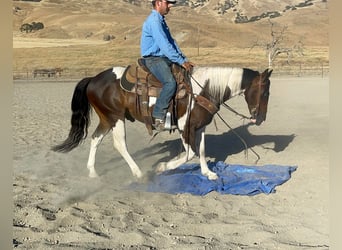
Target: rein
{"points": [[234, 111]]}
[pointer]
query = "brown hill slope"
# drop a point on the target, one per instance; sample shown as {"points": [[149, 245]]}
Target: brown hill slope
{"points": [[202, 27], [93, 19]]}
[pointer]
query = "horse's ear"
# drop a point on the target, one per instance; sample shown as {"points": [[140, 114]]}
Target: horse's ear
{"points": [[266, 73]]}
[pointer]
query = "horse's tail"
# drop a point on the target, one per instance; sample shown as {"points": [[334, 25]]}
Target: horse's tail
{"points": [[80, 118]]}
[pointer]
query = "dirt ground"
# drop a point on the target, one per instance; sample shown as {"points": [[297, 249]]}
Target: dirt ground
{"points": [[57, 206]]}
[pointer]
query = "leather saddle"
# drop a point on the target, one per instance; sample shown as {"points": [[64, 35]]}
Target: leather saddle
{"points": [[138, 79]]}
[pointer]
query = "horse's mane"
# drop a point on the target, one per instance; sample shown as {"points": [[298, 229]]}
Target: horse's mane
{"points": [[219, 79]]}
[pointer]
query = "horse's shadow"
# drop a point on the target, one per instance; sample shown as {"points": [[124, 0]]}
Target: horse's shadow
{"points": [[219, 147], [228, 143]]}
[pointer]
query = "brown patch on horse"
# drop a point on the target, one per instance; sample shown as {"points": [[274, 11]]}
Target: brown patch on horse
{"points": [[199, 117]]}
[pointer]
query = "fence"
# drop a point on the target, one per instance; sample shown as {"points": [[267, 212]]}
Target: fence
{"points": [[54, 74], [302, 69], [297, 70]]}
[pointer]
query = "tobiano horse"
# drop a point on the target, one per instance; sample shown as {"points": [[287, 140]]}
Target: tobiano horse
{"points": [[114, 106]]}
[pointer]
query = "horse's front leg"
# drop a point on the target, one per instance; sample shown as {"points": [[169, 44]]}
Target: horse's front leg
{"points": [[204, 166], [119, 138]]}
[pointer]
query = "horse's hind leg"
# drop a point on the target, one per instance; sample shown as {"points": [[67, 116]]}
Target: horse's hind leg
{"points": [[195, 139], [96, 140], [189, 154], [177, 161], [119, 141]]}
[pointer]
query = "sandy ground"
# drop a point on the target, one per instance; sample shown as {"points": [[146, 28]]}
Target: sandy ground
{"points": [[56, 205]]}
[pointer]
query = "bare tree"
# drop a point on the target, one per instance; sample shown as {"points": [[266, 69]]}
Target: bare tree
{"points": [[276, 45]]}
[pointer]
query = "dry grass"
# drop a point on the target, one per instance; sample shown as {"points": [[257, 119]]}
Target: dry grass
{"points": [[91, 59]]}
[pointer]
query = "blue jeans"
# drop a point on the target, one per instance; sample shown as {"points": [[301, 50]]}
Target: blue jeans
{"points": [[160, 67]]}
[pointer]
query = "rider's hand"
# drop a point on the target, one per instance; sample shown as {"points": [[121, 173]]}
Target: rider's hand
{"points": [[188, 66]]}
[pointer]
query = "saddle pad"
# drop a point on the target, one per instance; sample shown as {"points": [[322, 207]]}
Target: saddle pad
{"points": [[233, 179], [127, 84]]}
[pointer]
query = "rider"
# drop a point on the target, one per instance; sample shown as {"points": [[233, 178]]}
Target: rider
{"points": [[160, 50]]}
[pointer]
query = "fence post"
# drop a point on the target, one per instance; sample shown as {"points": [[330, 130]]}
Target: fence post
{"points": [[322, 69]]}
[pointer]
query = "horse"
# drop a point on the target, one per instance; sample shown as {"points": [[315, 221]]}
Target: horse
{"points": [[114, 106]]}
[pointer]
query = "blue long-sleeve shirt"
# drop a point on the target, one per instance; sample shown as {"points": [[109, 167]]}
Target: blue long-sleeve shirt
{"points": [[156, 39]]}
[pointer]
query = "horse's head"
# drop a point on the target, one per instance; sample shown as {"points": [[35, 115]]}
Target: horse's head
{"points": [[257, 95]]}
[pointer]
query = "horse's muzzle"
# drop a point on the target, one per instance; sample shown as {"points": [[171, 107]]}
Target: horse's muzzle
{"points": [[257, 120]]}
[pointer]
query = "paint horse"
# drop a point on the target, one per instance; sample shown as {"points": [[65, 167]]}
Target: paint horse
{"points": [[114, 105]]}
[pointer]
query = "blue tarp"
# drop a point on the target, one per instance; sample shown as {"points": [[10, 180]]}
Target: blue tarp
{"points": [[233, 179]]}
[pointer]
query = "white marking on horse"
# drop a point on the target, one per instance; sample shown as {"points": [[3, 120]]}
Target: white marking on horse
{"points": [[204, 166], [152, 100], [95, 142], [220, 78], [118, 71]]}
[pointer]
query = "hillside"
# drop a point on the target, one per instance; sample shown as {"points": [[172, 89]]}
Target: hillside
{"points": [[93, 19], [213, 24]]}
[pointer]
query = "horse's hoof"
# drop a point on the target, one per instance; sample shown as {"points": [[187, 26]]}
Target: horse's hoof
{"points": [[212, 176], [138, 175], [161, 168], [93, 175]]}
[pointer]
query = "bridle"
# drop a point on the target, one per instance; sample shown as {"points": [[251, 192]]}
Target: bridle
{"points": [[255, 110]]}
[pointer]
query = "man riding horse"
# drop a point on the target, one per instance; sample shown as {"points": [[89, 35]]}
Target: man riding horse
{"points": [[160, 50]]}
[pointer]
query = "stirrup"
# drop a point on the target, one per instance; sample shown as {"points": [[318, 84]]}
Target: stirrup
{"points": [[168, 121]]}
